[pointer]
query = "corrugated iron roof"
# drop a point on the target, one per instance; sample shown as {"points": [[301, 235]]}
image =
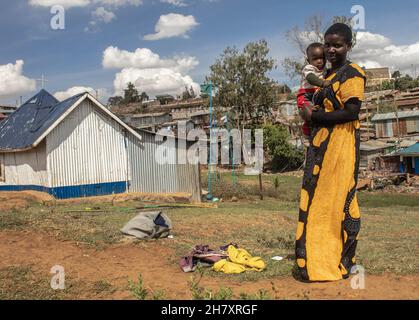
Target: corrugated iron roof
{"points": [[372, 145], [412, 150], [26, 127], [23, 127], [392, 115]]}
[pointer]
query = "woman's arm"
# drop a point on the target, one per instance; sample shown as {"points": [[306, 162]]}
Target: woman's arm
{"points": [[349, 113], [316, 81]]}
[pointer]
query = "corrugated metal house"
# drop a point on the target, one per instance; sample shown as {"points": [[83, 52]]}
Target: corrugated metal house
{"points": [[407, 101], [371, 150], [78, 148], [386, 125], [149, 121], [410, 158]]}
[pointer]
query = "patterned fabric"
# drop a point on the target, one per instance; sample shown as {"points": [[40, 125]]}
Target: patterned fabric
{"points": [[329, 216], [304, 99]]}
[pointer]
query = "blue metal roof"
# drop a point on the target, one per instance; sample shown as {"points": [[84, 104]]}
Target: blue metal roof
{"points": [[23, 127], [412, 150]]}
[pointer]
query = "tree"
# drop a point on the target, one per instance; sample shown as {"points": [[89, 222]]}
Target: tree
{"points": [[131, 94], [188, 93], [144, 97], [406, 82], [283, 155], [396, 74], [313, 31], [115, 101], [387, 85], [242, 84]]}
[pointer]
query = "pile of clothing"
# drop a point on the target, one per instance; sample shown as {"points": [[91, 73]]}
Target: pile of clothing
{"points": [[229, 259]]}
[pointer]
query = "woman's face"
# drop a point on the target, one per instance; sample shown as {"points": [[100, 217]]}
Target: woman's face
{"points": [[336, 49]]}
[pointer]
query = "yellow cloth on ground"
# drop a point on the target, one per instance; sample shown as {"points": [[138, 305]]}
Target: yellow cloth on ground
{"points": [[239, 260]]}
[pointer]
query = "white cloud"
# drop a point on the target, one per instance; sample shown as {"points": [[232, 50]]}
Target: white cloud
{"points": [[119, 3], [143, 58], [154, 81], [64, 3], [374, 50], [172, 25], [103, 94], [176, 3], [102, 15], [12, 82], [84, 3], [150, 73]]}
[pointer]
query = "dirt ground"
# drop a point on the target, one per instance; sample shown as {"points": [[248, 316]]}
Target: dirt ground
{"points": [[118, 263], [21, 200]]}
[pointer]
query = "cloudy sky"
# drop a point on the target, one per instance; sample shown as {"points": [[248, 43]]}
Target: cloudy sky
{"points": [[164, 45]]}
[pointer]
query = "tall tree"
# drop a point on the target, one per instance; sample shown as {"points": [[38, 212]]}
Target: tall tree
{"points": [[115, 101], [144, 97], [131, 94], [242, 84], [313, 31], [396, 74]]}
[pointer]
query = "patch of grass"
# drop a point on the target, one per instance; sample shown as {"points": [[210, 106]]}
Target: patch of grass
{"points": [[382, 200], [137, 288], [23, 283], [159, 294], [200, 293], [11, 221], [277, 186], [103, 286], [76, 222], [262, 294], [139, 292]]}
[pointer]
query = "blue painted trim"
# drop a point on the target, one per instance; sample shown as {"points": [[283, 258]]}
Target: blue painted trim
{"points": [[88, 190]]}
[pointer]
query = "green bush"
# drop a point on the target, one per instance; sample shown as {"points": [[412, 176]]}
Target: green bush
{"points": [[283, 155]]}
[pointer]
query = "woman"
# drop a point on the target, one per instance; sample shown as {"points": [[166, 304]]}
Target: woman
{"points": [[329, 217]]}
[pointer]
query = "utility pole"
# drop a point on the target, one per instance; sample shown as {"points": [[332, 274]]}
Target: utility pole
{"points": [[414, 70], [397, 119], [209, 196]]}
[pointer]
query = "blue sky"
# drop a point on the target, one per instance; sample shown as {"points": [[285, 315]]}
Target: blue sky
{"points": [[73, 56]]}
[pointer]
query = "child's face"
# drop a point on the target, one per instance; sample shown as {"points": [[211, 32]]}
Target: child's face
{"points": [[316, 57]]}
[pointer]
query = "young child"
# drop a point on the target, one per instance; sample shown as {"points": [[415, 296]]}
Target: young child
{"points": [[312, 79]]}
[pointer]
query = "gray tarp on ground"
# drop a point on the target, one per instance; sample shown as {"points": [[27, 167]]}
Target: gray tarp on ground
{"points": [[147, 225]]}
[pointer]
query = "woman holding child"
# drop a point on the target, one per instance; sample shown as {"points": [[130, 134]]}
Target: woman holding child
{"points": [[329, 216]]}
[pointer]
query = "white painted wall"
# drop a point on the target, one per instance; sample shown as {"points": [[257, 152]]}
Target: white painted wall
{"points": [[87, 147], [26, 168]]}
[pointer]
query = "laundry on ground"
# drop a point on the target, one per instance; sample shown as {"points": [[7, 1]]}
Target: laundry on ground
{"points": [[149, 225], [229, 259]]}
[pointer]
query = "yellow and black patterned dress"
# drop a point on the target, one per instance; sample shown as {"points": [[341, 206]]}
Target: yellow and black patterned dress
{"points": [[329, 216]]}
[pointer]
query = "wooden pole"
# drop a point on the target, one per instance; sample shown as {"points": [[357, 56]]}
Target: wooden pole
{"points": [[260, 186]]}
